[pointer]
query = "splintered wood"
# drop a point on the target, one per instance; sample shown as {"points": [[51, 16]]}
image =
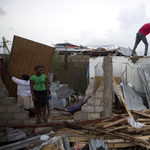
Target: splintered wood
{"points": [[115, 130]]}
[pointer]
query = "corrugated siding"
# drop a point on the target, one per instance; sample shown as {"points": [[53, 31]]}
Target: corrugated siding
{"points": [[25, 55]]}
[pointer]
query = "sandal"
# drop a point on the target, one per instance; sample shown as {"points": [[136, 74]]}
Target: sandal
{"points": [[39, 122], [45, 120]]}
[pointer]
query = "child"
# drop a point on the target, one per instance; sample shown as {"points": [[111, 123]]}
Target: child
{"points": [[24, 96], [48, 82], [40, 92]]}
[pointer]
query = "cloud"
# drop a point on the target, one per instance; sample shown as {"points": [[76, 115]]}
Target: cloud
{"points": [[130, 20], [2, 12], [11, 29]]}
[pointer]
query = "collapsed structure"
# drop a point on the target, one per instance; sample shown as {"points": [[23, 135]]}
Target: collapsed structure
{"points": [[97, 112]]}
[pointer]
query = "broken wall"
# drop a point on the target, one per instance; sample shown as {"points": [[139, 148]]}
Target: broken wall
{"points": [[100, 104], [75, 67]]}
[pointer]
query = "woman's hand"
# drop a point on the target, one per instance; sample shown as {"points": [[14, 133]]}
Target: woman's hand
{"points": [[34, 98], [47, 94]]}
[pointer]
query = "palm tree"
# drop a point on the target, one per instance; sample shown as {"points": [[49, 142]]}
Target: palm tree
{"points": [[4, 43]]}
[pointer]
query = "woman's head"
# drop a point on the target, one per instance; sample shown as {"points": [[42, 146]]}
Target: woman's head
{"points": [[38, 70], [25, 77]]}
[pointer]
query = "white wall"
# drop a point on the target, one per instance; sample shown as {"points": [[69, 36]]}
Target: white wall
{"points": [[119, 64]]}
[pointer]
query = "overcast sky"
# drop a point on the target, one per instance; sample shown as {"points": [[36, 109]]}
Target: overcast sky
{"points": [[86, 22]]}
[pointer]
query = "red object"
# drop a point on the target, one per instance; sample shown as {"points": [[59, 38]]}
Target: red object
{"points": [[2, 69], [145, 29], [76, 148]]}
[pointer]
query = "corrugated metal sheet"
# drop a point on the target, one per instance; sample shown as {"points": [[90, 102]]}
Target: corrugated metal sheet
{"points": [[25, 55], [144, 73], [133, 101]]}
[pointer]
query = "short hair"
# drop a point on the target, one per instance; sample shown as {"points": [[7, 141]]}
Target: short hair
{"points": [[42, 66], [37, 67], [25, 77]]}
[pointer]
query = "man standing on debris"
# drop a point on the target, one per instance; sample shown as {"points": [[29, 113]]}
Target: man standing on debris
{"points": [[40, 92], [23, 92], [141, 35]]}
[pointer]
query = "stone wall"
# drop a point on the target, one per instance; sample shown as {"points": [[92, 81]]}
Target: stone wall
{"points": [[100, 104]]}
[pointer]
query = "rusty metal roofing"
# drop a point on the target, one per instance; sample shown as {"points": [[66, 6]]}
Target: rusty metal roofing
{"points": [[25, 55]]}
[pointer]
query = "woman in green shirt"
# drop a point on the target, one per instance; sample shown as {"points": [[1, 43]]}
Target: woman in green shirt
{"points": [[40, 92]]}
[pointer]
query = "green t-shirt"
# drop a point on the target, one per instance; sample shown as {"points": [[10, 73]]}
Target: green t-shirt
{"points": [[39, 82]]}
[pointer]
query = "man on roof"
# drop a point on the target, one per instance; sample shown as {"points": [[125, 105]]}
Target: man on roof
{"points": [[141, 35]]}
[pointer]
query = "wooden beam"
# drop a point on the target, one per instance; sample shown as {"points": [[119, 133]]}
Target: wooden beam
{"points": [[143, 120], [118, 128], [142, 114], [116, 122], [74, 131], [120, 145], [63, 118]]}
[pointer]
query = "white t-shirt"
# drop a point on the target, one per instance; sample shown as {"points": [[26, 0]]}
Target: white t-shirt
{"points": [[23, 87]]}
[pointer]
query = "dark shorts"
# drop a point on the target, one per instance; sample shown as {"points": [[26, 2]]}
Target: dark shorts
{"points": [[41, 98]]}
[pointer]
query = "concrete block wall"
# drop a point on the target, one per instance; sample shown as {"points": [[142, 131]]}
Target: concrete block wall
{"points": [[12, 114], [100, 104], [75, 66]]}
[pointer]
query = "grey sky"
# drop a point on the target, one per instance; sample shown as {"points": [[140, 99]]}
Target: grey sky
{"points": [[86, 22]]}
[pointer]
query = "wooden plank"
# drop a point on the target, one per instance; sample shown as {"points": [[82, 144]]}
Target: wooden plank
{"points": [[74, 131], [146, 110], [130, 129], [120, 94], [120, 145], [116, 122], [63, 118], [25, 55], [142, 114], [118, 128], [143, 120]]}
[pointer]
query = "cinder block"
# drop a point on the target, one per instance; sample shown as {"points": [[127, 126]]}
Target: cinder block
{"points": [[86, 56], [75, 60], [62, 56], [94, 101], [79, 56], [7, 101], [80, 116], [29, 122], [15, 123], [86, 108], [3, 123], [69, 60], [4, 92], [82, 60], [42, 130], [2, 108], [99, 109], [14, 108], [21, 116], [6, 116], [92, 116]]}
